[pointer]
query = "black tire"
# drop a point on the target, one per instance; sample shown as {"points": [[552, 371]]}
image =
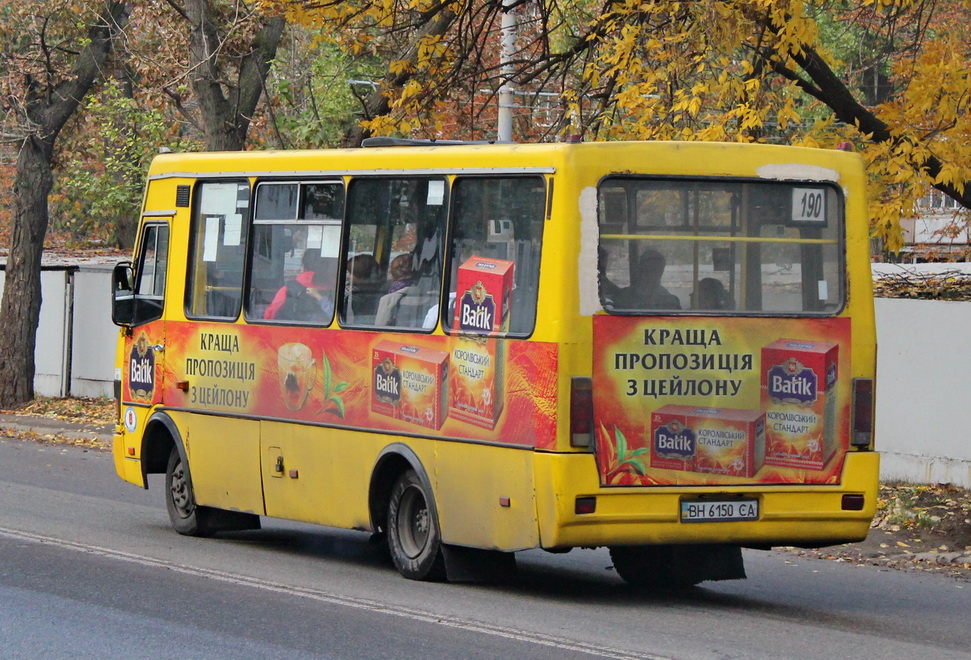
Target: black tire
{"points": [[653, 567], [186, 517], [414, 538]]}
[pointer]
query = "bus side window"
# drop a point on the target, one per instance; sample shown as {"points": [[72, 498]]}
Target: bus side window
{"points": [[215, 275], [295, 249], [500, 218], [153, 261], [393, 251], [149, 299]]}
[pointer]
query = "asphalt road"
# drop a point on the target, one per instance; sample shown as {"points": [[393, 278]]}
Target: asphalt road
{"points": [[90, 568]]}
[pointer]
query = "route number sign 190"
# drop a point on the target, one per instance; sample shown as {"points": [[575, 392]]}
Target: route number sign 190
{"points": [[809, 205]]}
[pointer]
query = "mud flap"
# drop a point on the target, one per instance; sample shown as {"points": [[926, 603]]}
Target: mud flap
{"points": [[475, 565], [709, 562], [222, 520]]}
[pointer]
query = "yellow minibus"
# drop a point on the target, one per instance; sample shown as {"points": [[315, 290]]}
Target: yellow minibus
{"points": [[468, 350]]}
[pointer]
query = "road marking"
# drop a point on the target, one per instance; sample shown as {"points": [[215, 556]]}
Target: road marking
{"points": [[337, 599]]}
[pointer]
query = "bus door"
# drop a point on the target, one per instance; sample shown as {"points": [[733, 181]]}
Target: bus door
{"points": [[142, 366], [211, 354]]}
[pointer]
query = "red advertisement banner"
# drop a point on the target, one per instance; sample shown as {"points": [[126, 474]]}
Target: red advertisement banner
{"points": [[474, 388], [681, 401]]}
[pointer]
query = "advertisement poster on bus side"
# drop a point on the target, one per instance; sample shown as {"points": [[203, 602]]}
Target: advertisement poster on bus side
{"points": [[721, 401], [141, 367], [476, 388]]}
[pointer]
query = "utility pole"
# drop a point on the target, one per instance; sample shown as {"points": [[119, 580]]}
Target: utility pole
{"points": [[507, 49]]}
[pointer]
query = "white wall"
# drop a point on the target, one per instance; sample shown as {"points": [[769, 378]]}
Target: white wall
{"points": [[95, 336], [75, 300], [51, 332], [923, 425]]}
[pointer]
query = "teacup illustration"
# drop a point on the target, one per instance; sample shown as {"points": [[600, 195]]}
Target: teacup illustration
{"points": [[298, 374]]}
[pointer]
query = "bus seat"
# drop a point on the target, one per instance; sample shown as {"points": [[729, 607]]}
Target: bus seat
{"points": [[405, 308]]}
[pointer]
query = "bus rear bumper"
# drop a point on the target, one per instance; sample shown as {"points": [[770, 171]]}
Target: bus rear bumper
{"points": [[790, 515]]}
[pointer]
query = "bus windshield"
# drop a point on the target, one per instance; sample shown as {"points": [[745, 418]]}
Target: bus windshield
{"points": [[715, 246]]}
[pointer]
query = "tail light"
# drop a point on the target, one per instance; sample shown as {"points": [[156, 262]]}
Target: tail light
{"points": [[581, 412], [585, 505], [862, 412]]}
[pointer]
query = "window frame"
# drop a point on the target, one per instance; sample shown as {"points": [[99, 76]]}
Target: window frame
{"points": [[146, 308], [342, 300], [296, 220], [191, 261], [445, 319], [840, 242], [154, 225]]}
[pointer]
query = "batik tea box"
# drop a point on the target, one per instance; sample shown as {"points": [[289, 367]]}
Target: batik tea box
{"points": [[410, 383], [477, 385], [709, 440], [482, 294], [799, 380]]}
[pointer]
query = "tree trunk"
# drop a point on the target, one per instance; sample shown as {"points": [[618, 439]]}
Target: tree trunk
{"points": [[20, 308], [226, 113], [125, 230], [825, 85], [378, 103], [124, 227], [47, 109]]}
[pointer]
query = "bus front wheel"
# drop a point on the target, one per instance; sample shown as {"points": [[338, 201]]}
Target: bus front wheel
{"points": [[186, 517], [414, 538]]}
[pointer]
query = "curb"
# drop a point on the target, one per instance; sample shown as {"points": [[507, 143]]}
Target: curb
{"points": [[49, 426], [944, 558]]}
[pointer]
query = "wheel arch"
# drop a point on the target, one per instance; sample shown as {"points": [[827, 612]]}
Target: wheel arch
{"points": [[390, 464], [161, 435]]}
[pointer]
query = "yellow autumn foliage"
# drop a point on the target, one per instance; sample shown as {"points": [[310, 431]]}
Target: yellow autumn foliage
{"points": [[717, 70]]}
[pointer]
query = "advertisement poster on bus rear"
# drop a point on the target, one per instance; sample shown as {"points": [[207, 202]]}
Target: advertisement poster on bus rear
{"points": [[464, 387], [721, 401]]}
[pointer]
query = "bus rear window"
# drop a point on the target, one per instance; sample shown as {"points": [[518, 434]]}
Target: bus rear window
{"points": [[720, 247]]}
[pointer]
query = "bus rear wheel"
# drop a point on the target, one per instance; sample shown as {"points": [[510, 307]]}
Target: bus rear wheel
{"points": [[180, 501], [677, 566], [652, 567], [414, 538]]}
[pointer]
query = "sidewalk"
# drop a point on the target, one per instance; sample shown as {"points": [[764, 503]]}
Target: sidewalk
{"points": [[39, 428]]}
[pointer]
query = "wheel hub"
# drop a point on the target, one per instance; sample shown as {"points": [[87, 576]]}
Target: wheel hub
{"points": [[179, 492], [413, 522]]}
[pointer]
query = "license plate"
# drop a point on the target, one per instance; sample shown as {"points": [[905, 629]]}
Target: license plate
{"points": [[719, 510]]}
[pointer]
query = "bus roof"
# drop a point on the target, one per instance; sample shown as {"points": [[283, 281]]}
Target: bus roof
{"points": [[662, 158]]}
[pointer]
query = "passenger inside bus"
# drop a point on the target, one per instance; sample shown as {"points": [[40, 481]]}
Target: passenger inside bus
{"points": [[608, 290], [711, 294], [403, 283], [310, 296], [362, 291], [645, 291]]}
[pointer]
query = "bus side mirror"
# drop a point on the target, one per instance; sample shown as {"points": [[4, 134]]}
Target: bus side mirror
{"points": [[123, 294]]}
